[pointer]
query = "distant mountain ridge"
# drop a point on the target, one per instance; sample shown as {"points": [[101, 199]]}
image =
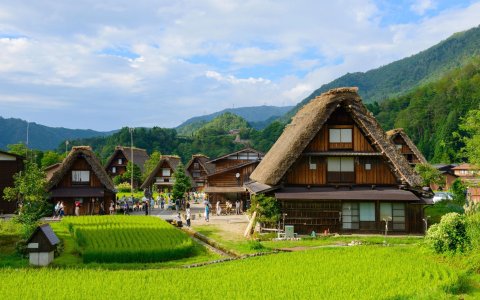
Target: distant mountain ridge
{"points": [[40, 137], [403, 75], [257, 116]]}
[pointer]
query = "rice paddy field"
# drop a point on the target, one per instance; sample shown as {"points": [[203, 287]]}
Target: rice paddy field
{"points": [[125, 239], [363, 272]]}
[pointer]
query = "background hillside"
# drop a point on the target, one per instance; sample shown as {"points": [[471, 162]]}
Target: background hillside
{"points": [[401, 76], [40, 137], [257, 116]]}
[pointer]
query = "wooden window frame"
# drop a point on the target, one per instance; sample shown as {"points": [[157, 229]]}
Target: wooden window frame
{"points": [[340, 146]]}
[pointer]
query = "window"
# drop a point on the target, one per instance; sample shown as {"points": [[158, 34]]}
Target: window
{"points": [[196, 166], [312, 163], [120, 161], [368, 167], [165, 172], [367, 211], [114, 170], [340, 169], [340, 135], [398, 146], [350, 218], [80, 177], [395, 212], [196, 174]]}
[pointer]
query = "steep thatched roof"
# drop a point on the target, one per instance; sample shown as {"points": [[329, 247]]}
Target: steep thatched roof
{"points": [[400, 132], [310, 119], [202, 160], [172, 160], [140, 156], [82, 152]]}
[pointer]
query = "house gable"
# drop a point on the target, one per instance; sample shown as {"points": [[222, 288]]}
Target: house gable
{"points": [[367, 165]]}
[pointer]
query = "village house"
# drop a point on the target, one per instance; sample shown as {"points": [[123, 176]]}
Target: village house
{"points": [[406, 147], [448, 174], [162, 176], [80, 178], [10, 164], [198, 169], [226, 180], [117, 163], [334, 169], [470, 176]]}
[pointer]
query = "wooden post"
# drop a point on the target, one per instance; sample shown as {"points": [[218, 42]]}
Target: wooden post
{"points": [[250, 225]]}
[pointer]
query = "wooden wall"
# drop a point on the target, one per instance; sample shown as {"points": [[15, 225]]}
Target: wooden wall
{"points": [[320, 142], [121, 168], [80, 165], [228, 178], [227, 163], [8, 168]]}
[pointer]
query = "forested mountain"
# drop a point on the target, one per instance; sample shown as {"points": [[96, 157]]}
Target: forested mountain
{"points": [[430, 114], [401, 76], [41, 137], [257, 116], [212, 139]]}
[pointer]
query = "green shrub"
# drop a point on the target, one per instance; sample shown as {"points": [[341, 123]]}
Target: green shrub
{"points": [[124, 187], [255, 245], [450, 235]]}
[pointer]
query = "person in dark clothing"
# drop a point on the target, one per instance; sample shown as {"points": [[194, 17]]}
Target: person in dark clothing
{"points": [[146, 207]]}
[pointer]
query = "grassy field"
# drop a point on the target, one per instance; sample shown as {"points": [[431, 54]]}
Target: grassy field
{"points": [[128, 239], [365, 272]]}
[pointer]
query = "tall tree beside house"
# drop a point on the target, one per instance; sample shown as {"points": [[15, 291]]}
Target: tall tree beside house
{"points": [[182, 182], [51, 157], [137, 174], [30, 190], [429, 174], [150, 164], [471, 126]]}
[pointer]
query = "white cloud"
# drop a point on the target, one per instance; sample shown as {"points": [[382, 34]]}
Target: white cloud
{"points": [[421, 6], [210, 54]]}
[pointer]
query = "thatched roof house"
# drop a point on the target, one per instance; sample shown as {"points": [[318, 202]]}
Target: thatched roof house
{"points": [[81, 177], [10, 164], [162, 175], [117, 162], [305, 126], [406, 147], [334, 168]]}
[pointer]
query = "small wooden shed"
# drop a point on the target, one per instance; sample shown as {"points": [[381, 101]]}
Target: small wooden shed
{"points": [[41, 245]]}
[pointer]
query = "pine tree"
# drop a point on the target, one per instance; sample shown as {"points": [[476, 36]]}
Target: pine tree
{"points": [[182, 182]]}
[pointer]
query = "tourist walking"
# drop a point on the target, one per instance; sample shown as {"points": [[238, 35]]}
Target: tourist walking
{"points": [[112, 208], [56, 211], [218, 208], [62, 210], [207, 210], [77, 208], [177, 205], [125, 208], [189, 214], [237, 207], [146, 204]]}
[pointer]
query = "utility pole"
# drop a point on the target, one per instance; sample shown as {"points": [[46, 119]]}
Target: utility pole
{"points": [[131, 129], [66, 146]]}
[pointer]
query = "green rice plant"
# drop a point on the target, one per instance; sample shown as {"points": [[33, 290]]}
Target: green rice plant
{"points": [[363, 272], [128, 239]]}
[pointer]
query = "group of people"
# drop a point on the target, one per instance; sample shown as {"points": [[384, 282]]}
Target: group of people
{"points": [[229, 207], [59, 210]]}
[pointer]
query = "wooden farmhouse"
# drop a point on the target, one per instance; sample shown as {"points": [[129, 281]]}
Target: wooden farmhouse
{"points": [[162, 175], [10, 164], [117, 163], [80, 178], [333, 168], [406, 147], [198, 169], [230, 173], [447, 172], [470, 176]]}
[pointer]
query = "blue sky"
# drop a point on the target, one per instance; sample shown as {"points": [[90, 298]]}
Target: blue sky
{"points": [[107, 64]]}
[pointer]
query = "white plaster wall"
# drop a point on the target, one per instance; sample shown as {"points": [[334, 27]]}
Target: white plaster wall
{"points": [[41, 258]]}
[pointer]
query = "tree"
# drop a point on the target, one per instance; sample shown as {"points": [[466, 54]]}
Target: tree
{"points": [[49, 158], [471, 125], [30, 191], [182, 182], [267, 209], [459, 191], [429, 174], [150, 164], [137, 174]]}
